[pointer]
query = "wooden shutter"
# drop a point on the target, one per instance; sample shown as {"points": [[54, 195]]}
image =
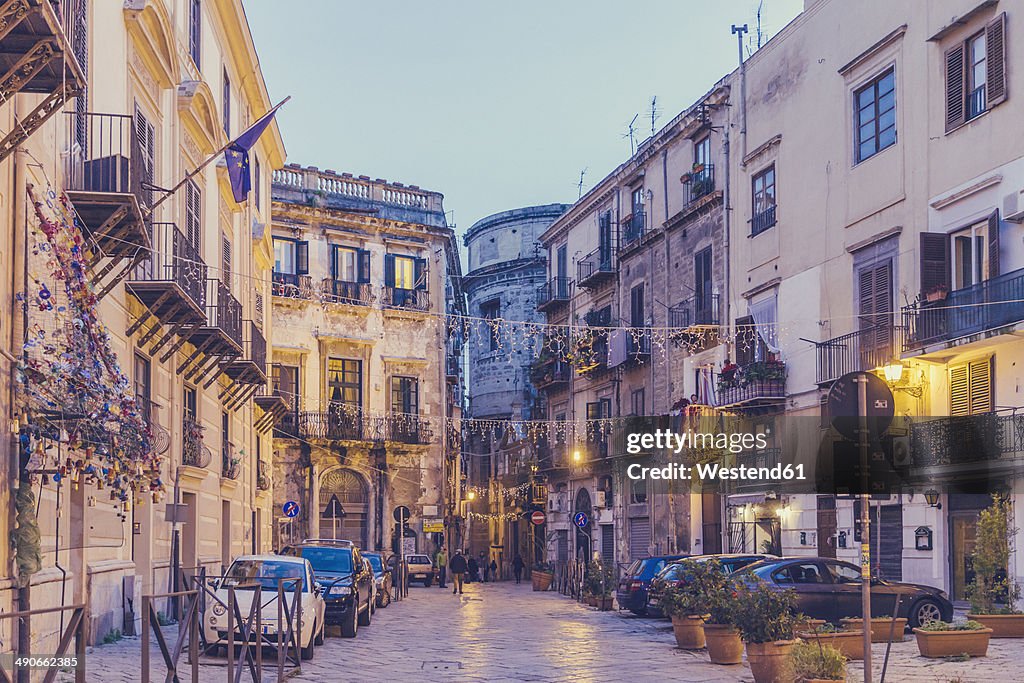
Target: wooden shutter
{"points": [[636, 306], [225, 252], [193, 212], [389, 270], [420, 273], [995, 60], [746, 340], [956, 72], [993, 244], [145, 137], [959, 394], [980, 386], [302, 257], [934, 257], [364, 265], [875, 288]]}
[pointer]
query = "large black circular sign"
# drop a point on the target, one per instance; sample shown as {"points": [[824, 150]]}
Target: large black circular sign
{"points": [[843, 405], [401, 514]]}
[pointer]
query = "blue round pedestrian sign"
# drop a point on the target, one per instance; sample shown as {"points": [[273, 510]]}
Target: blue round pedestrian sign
{"points": [[581, 520], [291, 509]]}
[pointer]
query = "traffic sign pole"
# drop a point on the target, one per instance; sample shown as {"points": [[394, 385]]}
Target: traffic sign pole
{"points": [[865, 521]]}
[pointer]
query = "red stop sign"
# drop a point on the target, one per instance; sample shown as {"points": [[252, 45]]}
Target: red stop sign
{"points": [[538, 517]]}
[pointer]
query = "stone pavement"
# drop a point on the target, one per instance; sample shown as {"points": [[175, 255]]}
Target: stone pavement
{"points": [[503, 632]]}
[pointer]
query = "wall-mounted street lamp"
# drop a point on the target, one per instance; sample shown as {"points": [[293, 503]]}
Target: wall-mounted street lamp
{"points": [[893, 372], [932, 497], [471, 495], [577, 456]]}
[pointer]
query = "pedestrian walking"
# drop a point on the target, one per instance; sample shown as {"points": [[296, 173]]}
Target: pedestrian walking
{"points": [[484, 567], [441, 560], [494, 570], [458, 566], [517, 567], [474, 569]]}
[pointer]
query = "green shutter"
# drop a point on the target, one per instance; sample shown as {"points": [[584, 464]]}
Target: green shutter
{"points": [[389, 270]]}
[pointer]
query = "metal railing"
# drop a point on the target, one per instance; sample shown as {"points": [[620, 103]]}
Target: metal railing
{"points": [[223, 310], [408, 299], [189, 631], [193, 452], [342, 292], [599, 262], [762, 220], [758, 381], [988, 305], [552, 373], [174, 260], [106, 156], [405, 429], [633, 226], [638, 345], [292, 286], [230, 466], [696, 311], [73, 631], [263, 480], [967, 439], [338, 422], [862, 350], [700, 183], [553, 291]]}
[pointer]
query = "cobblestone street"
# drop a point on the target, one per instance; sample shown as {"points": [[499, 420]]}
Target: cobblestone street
{"points": [[503, 632]]}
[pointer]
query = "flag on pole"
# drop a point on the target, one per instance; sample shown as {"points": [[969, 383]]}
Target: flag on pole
{"points": [[237, 154]]}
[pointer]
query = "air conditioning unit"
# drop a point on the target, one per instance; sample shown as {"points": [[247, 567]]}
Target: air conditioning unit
{"points": [[556, 502], [901, 451], [599, 499]]}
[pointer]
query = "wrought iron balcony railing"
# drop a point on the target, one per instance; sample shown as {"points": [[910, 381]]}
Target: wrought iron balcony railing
{"points": [[989, 305], [342, 292], [858, 351], [406, 429], [223, 310], [174, 261], [756, 384], [967, 440], [193, 451], [700, 310], [292, 286], [263, 481], [700, 183], [763, 220], [553, 292], [551, 375], [406, 299], [230, 464], [767, 457], [633, 226], [598, 266]]}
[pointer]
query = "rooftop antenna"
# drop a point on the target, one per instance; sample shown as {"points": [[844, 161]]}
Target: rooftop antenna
{"points": [[630, 133], [760, 33], [582, 173], [655, 114]]}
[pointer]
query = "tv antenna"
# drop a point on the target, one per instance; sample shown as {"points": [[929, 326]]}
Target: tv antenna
{"points": [[631, 134], [760, 33], [582, 173], [655, 114]]}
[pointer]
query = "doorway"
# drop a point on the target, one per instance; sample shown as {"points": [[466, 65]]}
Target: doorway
{"points": [[188, 533], [225, 534], [344, 507], [827, 526]]}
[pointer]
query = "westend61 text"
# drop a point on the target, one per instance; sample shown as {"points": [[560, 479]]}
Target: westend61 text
{"points": [[667, 439], [714, 471]]}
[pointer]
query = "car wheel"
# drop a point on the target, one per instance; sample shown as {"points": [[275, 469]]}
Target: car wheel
{"points": [[427, 582], [364, 616], [320, 636], [350, 627], [385, 599], [307, 651], [924, 611]]}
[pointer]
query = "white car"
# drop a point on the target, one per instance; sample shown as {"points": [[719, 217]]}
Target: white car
{"points": [[248, 571]]}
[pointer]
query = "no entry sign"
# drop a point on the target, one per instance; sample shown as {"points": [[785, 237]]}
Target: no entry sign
{"points": [[538, 517]]}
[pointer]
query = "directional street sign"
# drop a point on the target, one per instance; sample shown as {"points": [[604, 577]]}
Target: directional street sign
{"points": [[581, 520], [290, 509]]}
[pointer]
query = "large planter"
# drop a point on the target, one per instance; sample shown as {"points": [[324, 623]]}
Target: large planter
{"points": [[850, 643], [810, 625], [770, 662], [724, 644], [591, 600], [542, 580], [939, 644], [880, 628], [1002, 625], [689, 632], [604, 604]]}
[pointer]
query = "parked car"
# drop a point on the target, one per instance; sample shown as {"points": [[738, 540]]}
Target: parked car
{"points": [[382, 576], [672, 575], [249, 571], [830, 589], [420, 568], [636, 580], [348, 584]]}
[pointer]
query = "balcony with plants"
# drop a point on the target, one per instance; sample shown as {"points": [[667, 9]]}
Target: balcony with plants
{"points": [[756, 384]]}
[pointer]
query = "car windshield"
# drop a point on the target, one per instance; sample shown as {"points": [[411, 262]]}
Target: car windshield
{"points": [[417, 559], [247, 574], [376, 563], [333, 560]]}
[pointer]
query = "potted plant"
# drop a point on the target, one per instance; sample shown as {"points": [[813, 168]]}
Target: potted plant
{"points": [[720, 633], [992, 594], [850, 643], [542, 576], [936, 293], [599, 585], [938, 639], [764, 616], [802, 622], [686, 601], [881, 628], [813, 663]]}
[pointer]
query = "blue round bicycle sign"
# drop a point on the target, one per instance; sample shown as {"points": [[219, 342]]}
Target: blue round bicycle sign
{"points": [[581, 520], [291, 509]]}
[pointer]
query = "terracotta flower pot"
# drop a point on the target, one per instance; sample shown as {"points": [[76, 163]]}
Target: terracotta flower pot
{"points": [[542, 580], [1002, 625], [689, 632], [724, 644], [850, 643], [880, 628], [605, 604], [770, 662], [939, 644], [810, 625]]}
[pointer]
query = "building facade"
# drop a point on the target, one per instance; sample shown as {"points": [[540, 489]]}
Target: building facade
{"points": [[366, 273], [507, 264], [137, 96]]}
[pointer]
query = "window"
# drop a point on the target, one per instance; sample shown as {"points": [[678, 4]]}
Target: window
{"points": [[875, 112], [345, 381], [227, 104], [970, 255], [842, 573], [225, 437], [976, 74], [346, 264], [598, 410], [189, 404], [637, 402], [284, 256], [143, 392], [257, 174], [194, 30], [801, 573], [562, 262], [405, 272], [702, 152], [286, 383], [763, 192], [636, 306], [225, 258], [638, 491], [405, 395], [193, 213], [875, 305], [491, 310], [970, 388], [703, 308], [637, 201], [145, 135], [962, 259]]}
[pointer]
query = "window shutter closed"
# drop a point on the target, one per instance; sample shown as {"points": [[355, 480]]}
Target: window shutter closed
{"points": [[993, 244], [934, 261], [959, 394], [980, 392], [420, 273], [746, 341], [955, 101], [995, 60], [225, 249], [389, 270], [302, 258], [875, 286], [364, 265]]}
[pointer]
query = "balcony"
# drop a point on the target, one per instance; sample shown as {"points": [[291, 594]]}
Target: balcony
{"points": [[105, 180], [248, 371], [552, 375], [340, 422], [756, 386], [409, 430], [596, 268], [453, 368], [219, 341], [406, 299], [263, 480], [292, 286], [38, 57], [553, 293], [288, 425], [230, 463], [980, 310], [767, 457], [274, 407], [859, 351], [171, 286], [695, 318], [194, 452], [762, 220], [700, 182], [638, 347], [968, 447], [351, 293], [633, 228]]}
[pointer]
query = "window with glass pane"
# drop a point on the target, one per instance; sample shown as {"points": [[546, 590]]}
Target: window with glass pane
{"points": [[346, 264], [702, 152], [190, 403], [405, 395], [405, 272], [491, 310], [970, 255], [142, 387], [876, 115], [345, 381], [638, 199], [763, 188], [284, 256], [977, 74]]}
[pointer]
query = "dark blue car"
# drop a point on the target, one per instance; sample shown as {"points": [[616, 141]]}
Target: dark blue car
{"points": [[635, 582]]}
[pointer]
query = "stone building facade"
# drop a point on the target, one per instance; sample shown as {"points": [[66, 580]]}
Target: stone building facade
{"points": [[365, 273]]}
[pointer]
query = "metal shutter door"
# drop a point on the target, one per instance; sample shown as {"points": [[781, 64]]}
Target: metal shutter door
{"points": [[639, 537]]}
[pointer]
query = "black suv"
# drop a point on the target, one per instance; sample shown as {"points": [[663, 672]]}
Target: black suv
{"points": [[347, 583]]}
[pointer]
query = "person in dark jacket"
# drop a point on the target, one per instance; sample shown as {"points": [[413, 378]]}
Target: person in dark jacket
{"points": [[458, 567], [474, 569], [517, 567]]}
